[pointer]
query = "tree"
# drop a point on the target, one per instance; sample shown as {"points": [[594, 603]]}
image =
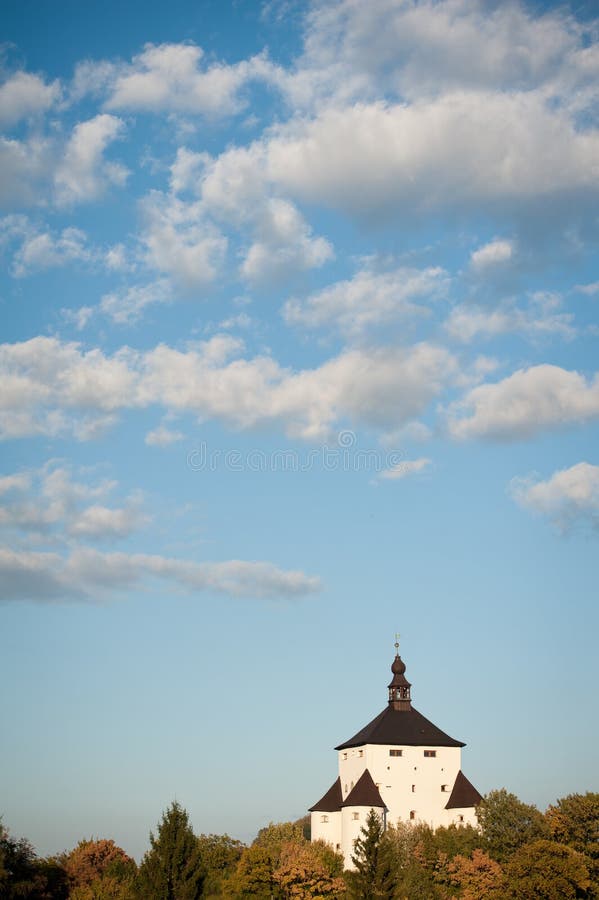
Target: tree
{"points": [[309, 871], [477, 877], [545, 870], [91, 860], [506, 823], [172, 869], [24, 876], [373, 875], [413, 860], [220, 855], [574, 820]]}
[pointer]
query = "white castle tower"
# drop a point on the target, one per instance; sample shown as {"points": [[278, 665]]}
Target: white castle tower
{"points": [[400, 765]]}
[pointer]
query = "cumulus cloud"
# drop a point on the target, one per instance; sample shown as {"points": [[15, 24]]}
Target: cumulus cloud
{"points": [[525, 403], [405, 468], [49, 385], [50, 502], [24, 95], [87, 575], [541, 318], [84, 172], [369, 298], [180, 242], [172, 78], [569, 498], [127, 304], [494, 253], [163, 437]]}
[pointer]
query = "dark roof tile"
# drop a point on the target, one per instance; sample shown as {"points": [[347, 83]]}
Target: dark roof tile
{"points": [[331, 802], [463, 794], [405, 727], [364, 793]]}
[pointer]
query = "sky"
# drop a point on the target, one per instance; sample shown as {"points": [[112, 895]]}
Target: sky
{"points": [[299, 329]]}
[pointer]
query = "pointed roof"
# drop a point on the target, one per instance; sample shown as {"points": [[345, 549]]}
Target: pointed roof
{"points": [[364, 793], [331, 802], [402, 727], [463, 794]]}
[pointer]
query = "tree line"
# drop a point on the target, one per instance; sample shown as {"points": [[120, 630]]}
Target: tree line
{"points": [[515, 853]]}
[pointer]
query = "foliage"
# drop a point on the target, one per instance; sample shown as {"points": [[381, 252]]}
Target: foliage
{"points": [[476, 877], [91, 860], [172, 869], [546, 870], [24, 876], [574, 820], [373, 875], [220, 855], [304, 871], [506, 823]]}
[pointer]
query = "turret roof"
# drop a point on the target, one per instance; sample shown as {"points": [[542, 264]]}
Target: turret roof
{"points": [[463, 794], [364, 793], [331, 802], [405, 727]]}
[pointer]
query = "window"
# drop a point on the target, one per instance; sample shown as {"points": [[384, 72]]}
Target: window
{"points": [[395, 752], [413, 788], [345, 756], [444, 787], [412, 815], [360, 753], [460, 818], [356, 816], [324, 818], [430, 752], [337, 846]]}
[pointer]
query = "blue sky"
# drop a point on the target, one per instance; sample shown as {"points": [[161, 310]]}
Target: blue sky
{"points": [[299, 311]]}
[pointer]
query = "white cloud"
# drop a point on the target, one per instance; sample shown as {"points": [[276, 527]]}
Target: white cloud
{"points": [[180, 242], [51, 502], [541, 318], [87, 574], [525, 403], [285, 245], [457, 149], [170, 78], [589, 289], [24, 95], [42, 250], [163, 437], [49, 386], [405, 468], [127, 305], [569, 498], [367, 299], [494, 253], [25, 168], [84, 173]]}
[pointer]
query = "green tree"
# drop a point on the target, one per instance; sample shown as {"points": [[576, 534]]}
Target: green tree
{"points": [[220, 855], [546, 870], [372, 875], [506, 823], [172, 868], [414, 861]]}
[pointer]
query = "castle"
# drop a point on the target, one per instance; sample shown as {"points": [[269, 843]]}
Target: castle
{"points": [[400, 765]]}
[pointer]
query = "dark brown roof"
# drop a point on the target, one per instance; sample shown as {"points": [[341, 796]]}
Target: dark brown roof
{"points": [[364, 793], [463, 794], [401, 726], [331, 802]]}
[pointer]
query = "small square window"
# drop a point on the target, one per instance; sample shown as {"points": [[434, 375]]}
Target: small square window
{"points": [[345, 756], [412, 815], [360, 753], [430, 752], [413, 788], [395, 752], [444, 787], [460, 818], [324, 818], [356, 816]]}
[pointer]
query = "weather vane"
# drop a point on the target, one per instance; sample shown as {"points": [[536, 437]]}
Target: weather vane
{"points": [[397, 640]]}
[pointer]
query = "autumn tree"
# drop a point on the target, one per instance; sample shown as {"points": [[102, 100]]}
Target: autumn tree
{"points": [[308, 870], [546, 870], [574, 820], [506, 823], [477, 877], [172, 868]]}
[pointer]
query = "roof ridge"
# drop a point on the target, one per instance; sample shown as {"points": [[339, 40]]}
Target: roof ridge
{"points": [[364, 793]]}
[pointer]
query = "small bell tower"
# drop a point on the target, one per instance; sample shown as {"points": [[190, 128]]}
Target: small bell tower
{"points": [[399, 688]]}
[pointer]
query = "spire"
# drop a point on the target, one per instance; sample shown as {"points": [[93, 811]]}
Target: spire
{"points": [[399, 688]]}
